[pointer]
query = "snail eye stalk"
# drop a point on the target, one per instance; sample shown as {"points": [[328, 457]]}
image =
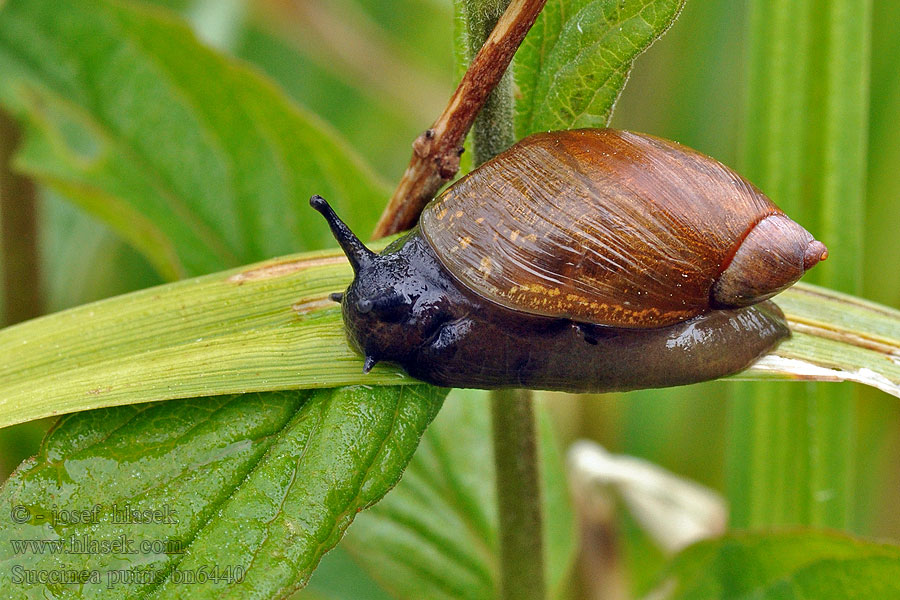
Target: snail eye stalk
{"points": [[357, 253]]}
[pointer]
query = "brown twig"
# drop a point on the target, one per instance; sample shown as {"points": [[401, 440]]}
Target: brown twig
{"points": [[435, 158]]}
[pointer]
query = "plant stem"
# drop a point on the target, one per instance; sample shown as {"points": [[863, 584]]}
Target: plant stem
{"points": [[518, 496], [494, 129], [18, 233], [512, 411]]}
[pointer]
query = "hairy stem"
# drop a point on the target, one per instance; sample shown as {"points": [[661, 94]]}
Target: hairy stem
{"points": [[512, 411], [518, 496], [493, 130]]}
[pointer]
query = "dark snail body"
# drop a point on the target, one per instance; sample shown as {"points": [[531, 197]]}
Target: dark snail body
{"points": [[583, 261], [543, 354]]}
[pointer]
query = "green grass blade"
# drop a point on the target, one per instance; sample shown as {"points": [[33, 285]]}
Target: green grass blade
{"points": [[836, 337], [266, 327], [271, 326], [806, 147]]}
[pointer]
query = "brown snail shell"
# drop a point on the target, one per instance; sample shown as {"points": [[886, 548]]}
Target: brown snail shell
{"points": [[614, 228]]}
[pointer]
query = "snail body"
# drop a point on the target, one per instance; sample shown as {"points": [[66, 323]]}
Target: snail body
{"points": [[587, 260]]}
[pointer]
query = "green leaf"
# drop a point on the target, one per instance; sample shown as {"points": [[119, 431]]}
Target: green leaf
{"points": [[435, 536], [271, 326], [835, 337], [195, 159], [574, 62], [784, 566], [253, 488], [265, 327]]}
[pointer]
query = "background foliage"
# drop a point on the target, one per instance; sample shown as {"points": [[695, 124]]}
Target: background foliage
{"points": [[348, 62]]}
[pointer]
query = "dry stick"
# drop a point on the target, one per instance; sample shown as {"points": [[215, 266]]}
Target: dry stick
{"points": [[435, 158]]}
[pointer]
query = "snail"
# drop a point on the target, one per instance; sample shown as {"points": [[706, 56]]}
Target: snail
{"points": [[584, 261]]}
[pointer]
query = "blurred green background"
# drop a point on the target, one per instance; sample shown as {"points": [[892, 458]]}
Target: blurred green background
{"points": [[379, 72]]}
